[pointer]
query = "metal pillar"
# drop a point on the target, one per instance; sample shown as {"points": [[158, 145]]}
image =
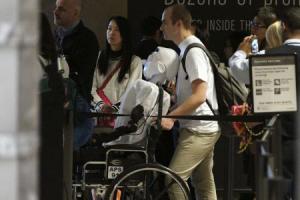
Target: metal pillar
{"points": [[297, 148], [229, 169], [19, 100], [68, 155]]}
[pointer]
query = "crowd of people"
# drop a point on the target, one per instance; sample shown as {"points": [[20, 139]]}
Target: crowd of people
{"points": [[117, 77]]}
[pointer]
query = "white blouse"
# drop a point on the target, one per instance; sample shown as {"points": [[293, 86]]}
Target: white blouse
{"points": [[114, 90]]}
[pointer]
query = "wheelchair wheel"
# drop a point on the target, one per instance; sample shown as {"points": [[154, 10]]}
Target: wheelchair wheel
{"points": [[145, 182]]}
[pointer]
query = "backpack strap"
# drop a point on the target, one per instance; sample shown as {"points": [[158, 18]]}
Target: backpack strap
{"points": [[160, 108], [198, 45], [213, 64]]}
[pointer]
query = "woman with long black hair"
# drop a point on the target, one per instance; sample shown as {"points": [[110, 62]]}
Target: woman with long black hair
{"points": [[117, 68]]}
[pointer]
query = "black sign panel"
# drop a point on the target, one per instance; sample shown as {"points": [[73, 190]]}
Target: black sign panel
{"points": [[274, 83], [224, 18]]}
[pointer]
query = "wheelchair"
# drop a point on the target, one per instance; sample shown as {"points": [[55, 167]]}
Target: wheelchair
{"points": [[129, 171]]}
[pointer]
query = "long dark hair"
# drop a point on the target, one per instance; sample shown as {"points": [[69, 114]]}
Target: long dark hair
{"points": [[126, 51], [268, 16]]}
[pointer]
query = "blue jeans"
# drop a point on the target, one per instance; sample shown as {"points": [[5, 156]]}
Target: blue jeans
{"points": [[83, 128]]}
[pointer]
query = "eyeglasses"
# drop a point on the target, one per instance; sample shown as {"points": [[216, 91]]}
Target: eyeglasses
{"points": [[257, 25]]}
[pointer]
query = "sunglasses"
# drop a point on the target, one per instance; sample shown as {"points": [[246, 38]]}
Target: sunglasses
{"points": [[257, 25]]}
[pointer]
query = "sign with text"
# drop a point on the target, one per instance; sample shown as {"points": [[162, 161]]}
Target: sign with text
{"points": [[273, 83], [114, 171]]}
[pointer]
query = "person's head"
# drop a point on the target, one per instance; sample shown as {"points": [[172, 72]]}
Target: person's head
{"points": [[67, 12], [274, 35], [118, 33], [291, 23], [46, 40], [150, 27], [118, 42], [176, 23], [264, 18]]}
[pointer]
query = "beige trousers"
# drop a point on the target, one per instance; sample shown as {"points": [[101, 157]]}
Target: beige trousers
{"points": [[193, 158]]}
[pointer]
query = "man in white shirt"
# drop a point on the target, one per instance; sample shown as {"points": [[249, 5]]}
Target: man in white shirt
{"points": [[193, 156]]}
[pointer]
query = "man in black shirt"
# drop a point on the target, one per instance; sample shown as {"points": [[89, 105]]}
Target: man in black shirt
{"points": [[78, 43], [80, 47], [291, 36]]}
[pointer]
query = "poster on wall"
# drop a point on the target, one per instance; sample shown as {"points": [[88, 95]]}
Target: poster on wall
{"points": [[228, 21], [273, 83]]}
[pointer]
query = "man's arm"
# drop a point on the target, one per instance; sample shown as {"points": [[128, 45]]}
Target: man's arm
{"points": [[198, 97]]}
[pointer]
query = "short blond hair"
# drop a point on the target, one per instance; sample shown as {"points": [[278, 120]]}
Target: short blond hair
{"points": [[274, 35]]}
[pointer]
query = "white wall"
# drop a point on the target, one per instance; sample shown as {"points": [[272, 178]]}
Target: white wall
{"points": [[18, 101]]}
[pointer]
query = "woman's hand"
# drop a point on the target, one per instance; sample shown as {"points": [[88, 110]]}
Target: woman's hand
{"points": [[105, 108]]}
